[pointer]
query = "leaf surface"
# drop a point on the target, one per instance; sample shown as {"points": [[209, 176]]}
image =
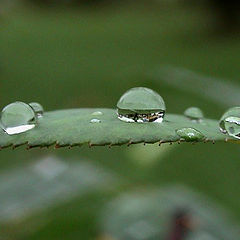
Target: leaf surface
{"points": [[73, 127]]}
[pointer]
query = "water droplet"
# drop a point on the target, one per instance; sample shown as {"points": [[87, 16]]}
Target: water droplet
{"points": [[190, 134], [230, 122], [38, 109], [97, 113], [17, 118], [194, 113], [95, 120], [141, 105]]}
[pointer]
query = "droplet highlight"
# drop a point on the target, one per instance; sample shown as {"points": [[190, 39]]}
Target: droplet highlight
{"points": [[95, 120], [230, 122], [17, 118], [190, 134], [194, 114], [141, 105], [38, 108], [97, 113]]}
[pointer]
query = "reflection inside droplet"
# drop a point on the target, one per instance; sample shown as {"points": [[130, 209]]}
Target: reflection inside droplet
{"points": [[97, 113], [95, 120], [232, 126], [38, 108], [190, 134], [17, 118], [230, 122], [193, 113], [141, 118], [19, 129], [141, 105]]}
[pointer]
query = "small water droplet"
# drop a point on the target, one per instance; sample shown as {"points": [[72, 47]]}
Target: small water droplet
{"points": [[17, 118], [38, 108], [95, 120], [141, 105], [194, 113], [97, 113], [230, 122], [190, 134]]}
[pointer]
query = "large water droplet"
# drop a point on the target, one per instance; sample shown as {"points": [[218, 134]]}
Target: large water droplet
{"points": [[38, 108], [194, 113], [95, 120], [97, 113], [230, 122], [190, 134], [17, 118], [141, 105]]}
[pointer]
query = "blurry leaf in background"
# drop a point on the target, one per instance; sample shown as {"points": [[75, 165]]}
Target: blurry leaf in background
{"points": [[49, 182], [220, 91], [149, 215], [145, 156]]}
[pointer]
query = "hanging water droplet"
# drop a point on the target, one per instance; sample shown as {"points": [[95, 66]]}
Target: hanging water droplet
{"points": [[38, 108], [95, 120], [141, 105], [97, 113], [17, 118], [194, 113], [230, 122], [190, 134]]}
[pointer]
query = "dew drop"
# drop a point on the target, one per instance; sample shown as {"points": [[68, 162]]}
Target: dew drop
{"points": [[194, 113], [97, 113], [190, 134], [38, 108], [230, 122], [141, 105], [95, 120], [17, 118]]}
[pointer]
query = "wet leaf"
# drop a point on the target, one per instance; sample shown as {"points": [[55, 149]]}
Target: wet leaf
{"points": [[74, 127]]}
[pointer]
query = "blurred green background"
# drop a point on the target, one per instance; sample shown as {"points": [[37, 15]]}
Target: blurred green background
{"points": [[72, 55]]}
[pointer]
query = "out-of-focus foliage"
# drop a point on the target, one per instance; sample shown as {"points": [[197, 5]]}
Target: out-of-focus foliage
{"points": [[173, 212]]}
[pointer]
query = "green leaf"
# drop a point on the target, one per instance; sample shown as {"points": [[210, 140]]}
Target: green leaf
{"points": [[73, 127], [155, 213]]}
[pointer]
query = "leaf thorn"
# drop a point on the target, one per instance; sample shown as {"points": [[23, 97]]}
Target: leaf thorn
{"points": [[57, 145], [206, 140], [28, 147]]}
